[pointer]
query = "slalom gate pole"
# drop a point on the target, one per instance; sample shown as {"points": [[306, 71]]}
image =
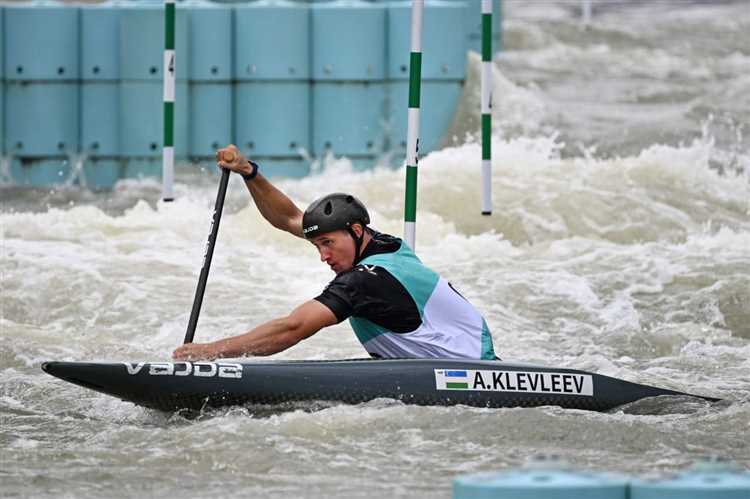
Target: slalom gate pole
{"points": [[586, 13], [412, 138], [486, 107], [167, 193], [209, 253]]}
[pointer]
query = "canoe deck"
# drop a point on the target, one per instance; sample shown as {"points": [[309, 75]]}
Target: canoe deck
{"points": [[170, 386]]}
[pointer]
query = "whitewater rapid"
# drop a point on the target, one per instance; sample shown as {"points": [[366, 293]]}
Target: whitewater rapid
{"points": [[619, 243]]}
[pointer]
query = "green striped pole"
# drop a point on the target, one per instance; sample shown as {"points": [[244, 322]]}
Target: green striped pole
{"points": [[486, 107], [169, 84], [412, 134]]}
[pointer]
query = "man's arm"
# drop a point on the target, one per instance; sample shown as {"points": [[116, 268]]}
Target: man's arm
{"points": [[273, 204], [266, 339]]}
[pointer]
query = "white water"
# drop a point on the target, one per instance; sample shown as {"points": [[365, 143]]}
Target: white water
{"points": [[619, 243]]}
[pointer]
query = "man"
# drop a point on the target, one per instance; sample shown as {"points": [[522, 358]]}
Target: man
{"points": [[397, 307]]}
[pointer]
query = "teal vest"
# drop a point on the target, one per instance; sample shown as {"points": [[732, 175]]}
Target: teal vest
{"points": [[451, 326]]}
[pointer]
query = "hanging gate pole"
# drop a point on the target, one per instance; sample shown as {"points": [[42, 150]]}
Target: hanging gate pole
{"points": [[169, 86], [586, 13], [486, 107], [412, 139]]}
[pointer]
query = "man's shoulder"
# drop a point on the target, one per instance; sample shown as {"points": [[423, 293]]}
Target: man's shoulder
{"points": [[383, 238], [382, 243]]}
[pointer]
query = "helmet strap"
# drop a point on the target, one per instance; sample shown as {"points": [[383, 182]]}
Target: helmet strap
{"points": [[357, 243]]}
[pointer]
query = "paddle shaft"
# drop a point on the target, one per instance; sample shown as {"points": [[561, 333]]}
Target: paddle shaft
{"points": [[209, 253]]}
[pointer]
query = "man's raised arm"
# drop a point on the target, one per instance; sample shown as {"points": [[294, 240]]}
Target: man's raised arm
{"points": [[273, 204]]}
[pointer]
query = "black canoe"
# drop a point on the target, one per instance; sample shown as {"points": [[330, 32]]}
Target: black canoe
{"points": [[169, 386]]}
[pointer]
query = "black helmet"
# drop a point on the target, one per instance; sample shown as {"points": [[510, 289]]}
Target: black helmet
{"points": [[333, 212]]}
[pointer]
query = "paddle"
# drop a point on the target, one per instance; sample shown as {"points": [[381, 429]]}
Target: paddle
{"points": [[228, 157]]}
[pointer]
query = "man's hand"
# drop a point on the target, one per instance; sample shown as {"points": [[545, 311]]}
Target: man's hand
{"points": [[231, 158], [196, 351]]}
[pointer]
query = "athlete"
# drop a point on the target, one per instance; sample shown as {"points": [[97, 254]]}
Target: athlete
{"points": [[398, 307]]}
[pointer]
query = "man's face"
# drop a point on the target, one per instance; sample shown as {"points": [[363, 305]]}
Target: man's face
{"points": [[337, 249]]}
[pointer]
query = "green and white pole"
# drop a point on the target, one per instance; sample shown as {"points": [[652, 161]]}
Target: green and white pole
{"points": [[412, 134], [167, 193], [486, 107]]}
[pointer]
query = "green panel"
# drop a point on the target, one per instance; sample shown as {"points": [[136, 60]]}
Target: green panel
{"points": [[169, 12], [486, 37], [364, 329], [488, 351], [486, 136], [168, 124], [410, 208], [415, 78]]}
